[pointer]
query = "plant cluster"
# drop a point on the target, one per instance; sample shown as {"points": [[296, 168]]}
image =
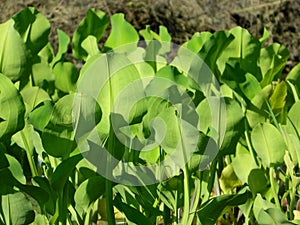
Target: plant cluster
{"points": [[45, 122]]}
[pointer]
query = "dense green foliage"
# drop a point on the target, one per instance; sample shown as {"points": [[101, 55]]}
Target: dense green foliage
{"points": [[251, 179]]}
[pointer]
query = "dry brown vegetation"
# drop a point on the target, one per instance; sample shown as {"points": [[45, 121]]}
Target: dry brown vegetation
{"points": [[182, 17]]}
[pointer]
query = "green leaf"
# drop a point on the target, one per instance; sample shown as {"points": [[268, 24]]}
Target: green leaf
{"points": [[197, 41], [129, 37], [58, 136], [272, 61], [94, 24], [218, 204], [266, 213], [13, 58], [256, 110], [234, 126], [63, 42], [213, 49], [257, 181], [265, 36], [63, 171], [12, 108], [132, 214], [293, 117], [90, 45], [117, 72], [229, 180], [268, 144], [40, 117], [33, 27], [89, 191], [245, 84], [33, 96], [42, 75], [17, 209], [278, 98], [242, 158], [44, 184], [171, 192], [16, 169], [245, 49], [294, 77], [66, 76]]}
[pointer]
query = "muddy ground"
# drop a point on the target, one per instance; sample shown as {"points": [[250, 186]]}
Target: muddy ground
{"points": [[182, 17]]}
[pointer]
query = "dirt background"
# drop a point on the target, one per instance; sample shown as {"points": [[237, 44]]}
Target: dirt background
{"points": [[182, 17]]}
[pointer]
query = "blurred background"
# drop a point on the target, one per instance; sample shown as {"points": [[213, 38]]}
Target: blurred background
{"points": [[182, 17]]}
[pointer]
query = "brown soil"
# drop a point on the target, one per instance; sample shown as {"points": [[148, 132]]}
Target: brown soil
{"points": [[182, 17]]}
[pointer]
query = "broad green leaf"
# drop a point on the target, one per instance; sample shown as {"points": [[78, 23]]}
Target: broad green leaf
{"points": [[44, 184], [234, 126], [244, 83], [242, 158], [245, 49], [293, 117], [29, 140], [272, 61], [212, 118], [257, 181], [12, 108], [17, 209], [89, 191], [129, 37], [90, 45], [219, 204], [132, 214], [266, 213], [150, 156], [33, 27], [213, 48], [229, 180], [40, 117], [66, 76], [265, 36], [94, 24], [46, 54], [13, 57], [294, 77], [163, 37], [63, 42], [40, 220], [268, 144], [117, 72], [171, 192], [58, 136], [293, 142], [256, 110], [16, 169], [43, 75], [197, 41], [63, 171], [33, 96], [278, 97]]}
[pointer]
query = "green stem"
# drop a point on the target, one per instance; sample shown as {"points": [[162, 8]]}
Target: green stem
{"points": [[195, 200], [249, 144], [31, 162], [186, 207], [108, 183], [167, 215], [176, 207], [273, 188], [212, 172], [292, 203]]}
